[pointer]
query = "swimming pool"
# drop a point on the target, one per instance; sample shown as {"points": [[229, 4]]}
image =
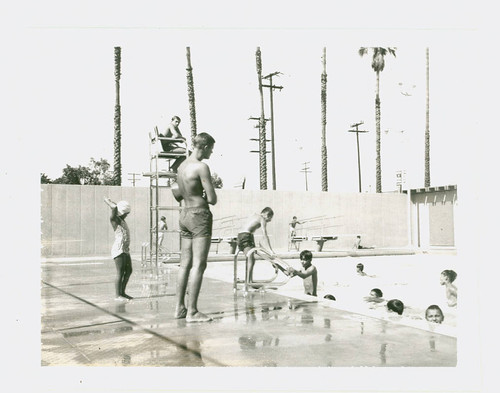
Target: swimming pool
{"points": [[414, 279], [272, 328]]}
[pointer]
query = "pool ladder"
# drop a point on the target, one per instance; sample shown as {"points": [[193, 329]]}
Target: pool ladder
{"points": [[277, 263]]}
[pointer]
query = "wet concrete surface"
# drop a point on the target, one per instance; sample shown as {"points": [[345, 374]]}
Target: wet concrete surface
{"points": [[82, 325]]}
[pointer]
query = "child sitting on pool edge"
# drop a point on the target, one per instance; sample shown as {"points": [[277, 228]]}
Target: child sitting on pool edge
{"points": [[308, 273]]}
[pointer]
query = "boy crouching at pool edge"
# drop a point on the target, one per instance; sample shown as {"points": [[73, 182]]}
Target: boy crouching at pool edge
{"points": [[308, 273]]}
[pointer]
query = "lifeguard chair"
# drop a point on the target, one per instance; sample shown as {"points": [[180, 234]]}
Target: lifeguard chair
{"points": [[157, 176]]}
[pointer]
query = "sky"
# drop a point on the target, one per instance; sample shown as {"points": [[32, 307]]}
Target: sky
{"points": [[73, 91]]}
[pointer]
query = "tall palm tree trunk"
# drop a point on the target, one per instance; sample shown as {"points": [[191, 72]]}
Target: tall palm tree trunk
{"points": [[324, 160], [378, 166], [117, 167], [427, 180], [262, 127], [192, 106]]}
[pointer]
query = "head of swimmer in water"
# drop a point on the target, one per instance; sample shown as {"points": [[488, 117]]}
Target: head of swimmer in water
{"points": [[434, 314], [447, 276], [204, 142], [267, 213], [375, 292], [359, 267], [396, 305], [306, 257]]}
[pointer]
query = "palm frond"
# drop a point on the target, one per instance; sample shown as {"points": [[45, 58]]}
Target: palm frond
{"points": [[362, 51]]}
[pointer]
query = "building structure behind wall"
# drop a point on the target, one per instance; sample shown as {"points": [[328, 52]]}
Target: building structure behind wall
{"points": [[433, 211]]}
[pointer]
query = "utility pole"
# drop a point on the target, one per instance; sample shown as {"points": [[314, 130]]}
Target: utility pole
{"points": [[306, 171], [257, 139], [273, 154], [133, 178], [357, 144]]}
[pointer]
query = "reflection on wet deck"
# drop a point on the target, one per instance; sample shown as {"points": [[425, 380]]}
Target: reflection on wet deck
{"points": [[83, 325]]}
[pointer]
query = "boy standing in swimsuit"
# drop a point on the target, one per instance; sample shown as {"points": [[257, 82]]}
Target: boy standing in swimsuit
{"points": [[194, 189], [246, 239]]}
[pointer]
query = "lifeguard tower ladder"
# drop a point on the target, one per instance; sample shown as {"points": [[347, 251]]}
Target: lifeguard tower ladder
{"points": [[160, 179]]}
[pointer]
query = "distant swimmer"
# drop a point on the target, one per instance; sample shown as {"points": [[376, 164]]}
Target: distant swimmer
{"points": [[360, 270], [246, 239], [195, 191], [375, 296]]}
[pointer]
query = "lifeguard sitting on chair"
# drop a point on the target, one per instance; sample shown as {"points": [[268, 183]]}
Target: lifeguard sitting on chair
{"points": [[173, 131]]}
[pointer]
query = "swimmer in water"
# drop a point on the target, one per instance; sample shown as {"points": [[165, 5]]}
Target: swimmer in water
{"points": [[308, 273], [360, 270], [375, 296], [447, 277], [395, 305], [434, 314]]}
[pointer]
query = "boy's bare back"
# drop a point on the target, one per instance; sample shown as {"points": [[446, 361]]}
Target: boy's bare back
{"points": [[252, 223]]}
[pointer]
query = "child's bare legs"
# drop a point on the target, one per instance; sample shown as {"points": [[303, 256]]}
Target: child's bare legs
{"points": [[127, 271], [123, 265], [250, 263]]}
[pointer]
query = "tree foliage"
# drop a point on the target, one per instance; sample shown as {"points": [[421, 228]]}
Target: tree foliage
{"points": [[217, 181], [97, 173], [378, 65]]}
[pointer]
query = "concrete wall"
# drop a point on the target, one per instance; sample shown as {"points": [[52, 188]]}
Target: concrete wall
{"points": [[75, 219]]}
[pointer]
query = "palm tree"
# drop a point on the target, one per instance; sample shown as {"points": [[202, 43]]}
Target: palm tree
{"points": [[427, 180], [324, 174], [378, 64], [117, 168], [262, 127], [192, 106]]}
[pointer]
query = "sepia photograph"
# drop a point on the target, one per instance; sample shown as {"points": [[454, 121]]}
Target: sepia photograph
{"points": [[286, 196]]}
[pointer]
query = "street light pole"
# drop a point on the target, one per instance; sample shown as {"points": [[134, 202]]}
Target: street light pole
{"points": [[357, 144]]}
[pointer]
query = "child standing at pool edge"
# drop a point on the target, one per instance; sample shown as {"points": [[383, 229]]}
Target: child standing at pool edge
{"points": [[120, 250], [309, 273], [246, 239]]}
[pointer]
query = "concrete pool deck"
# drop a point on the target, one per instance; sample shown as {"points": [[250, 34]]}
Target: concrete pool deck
{"points": [[82, 325]]}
